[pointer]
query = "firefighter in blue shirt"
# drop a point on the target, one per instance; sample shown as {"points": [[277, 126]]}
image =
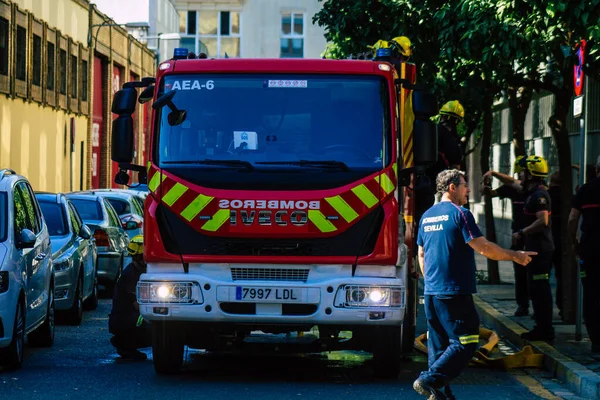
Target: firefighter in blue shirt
{"points": [[537, 233], [447, 239]]}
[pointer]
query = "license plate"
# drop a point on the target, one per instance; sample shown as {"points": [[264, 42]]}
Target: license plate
{"points": [[269, 294]]}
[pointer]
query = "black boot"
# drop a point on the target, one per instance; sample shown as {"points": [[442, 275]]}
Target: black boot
{"points": [[538, 333]]}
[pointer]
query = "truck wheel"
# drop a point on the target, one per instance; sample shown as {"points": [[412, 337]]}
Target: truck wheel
{"points": [[167, 349], [387, 351]]}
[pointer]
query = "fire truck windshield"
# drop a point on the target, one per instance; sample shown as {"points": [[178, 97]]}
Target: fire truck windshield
{"points": [[276, 122]]}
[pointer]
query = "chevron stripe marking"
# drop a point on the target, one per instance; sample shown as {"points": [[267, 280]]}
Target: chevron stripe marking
{"points": [[196, 206], [343, 208], [217, 220], [174, 194], [320, 221], [365, 195]]}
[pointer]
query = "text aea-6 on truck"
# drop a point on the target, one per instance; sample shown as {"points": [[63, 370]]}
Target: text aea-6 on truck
{"points": [[274, 203]]}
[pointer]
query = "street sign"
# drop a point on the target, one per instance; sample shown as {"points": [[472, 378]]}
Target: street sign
{"points": [[577, 106], [578, 69]]}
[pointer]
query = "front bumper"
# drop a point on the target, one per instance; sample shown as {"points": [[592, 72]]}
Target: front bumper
{"points": [[64, 289], [215, 296]]}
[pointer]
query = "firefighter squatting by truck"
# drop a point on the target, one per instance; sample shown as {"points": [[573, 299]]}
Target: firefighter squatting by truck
{"points": [[280, 201]]}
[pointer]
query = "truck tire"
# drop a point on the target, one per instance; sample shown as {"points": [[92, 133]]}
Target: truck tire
{"points": [[387, 351], [167, 349]]}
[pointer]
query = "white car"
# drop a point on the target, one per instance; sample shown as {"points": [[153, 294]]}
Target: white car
{"points": [[26, 272]]}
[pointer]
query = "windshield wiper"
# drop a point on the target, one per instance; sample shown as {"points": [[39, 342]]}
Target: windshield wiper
{"points": [[228, 163], [323, 164]]}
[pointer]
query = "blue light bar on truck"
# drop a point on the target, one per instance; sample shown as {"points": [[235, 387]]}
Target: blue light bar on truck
{"points": [[180, 53], [384, 53]]}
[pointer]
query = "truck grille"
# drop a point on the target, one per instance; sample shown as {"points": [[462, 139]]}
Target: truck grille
{"points": [[269, 274]]}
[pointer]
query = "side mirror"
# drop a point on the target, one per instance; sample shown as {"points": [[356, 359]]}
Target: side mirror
{"points": [[122, 139], [85, 232], [130, 225], [124, 101], [176, 116], [26, 240], [146, 95], [425, 146]]}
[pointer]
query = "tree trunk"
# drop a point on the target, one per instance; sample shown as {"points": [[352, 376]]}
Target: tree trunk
{"points": [[490, 230], [557, 123], [519, 100]]}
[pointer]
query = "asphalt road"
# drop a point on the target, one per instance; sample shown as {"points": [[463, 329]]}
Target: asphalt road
{"points": [[83, 364]]}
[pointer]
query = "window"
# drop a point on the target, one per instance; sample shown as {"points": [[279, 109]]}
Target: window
{"points": [[89, 210], [122, 207], [74, 77], [50, 67], [292, 35], [21, 72], [36, 79], [3, 46], [55, 218], [63, 71], [113, 218], [215, 33], [30, 210], [84, 80], [75, 221], [20, 216]]}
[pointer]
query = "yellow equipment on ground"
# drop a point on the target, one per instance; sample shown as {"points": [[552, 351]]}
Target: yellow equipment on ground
{"points": [[525, 358]]}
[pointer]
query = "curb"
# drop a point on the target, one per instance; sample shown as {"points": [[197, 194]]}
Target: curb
{"points": [[576, 377]]}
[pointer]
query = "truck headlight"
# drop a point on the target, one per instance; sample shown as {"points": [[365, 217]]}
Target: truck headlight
{"points": [[369, 296], [169, 292]]}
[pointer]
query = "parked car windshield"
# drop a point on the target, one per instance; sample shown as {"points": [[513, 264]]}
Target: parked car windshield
{"points": [[55, 218], [122, 207], [89, 210], [264, 119], [3, 217]]}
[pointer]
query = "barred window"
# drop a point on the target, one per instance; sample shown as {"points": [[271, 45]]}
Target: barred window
{"points": [[36, 79], [3, 46], [21, 72], [63, 71], [84, 80], [74, 77], [50, 72]]}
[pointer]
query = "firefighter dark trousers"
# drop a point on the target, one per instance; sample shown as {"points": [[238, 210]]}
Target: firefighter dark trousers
{"points": [[133, 338], [590, 280], [452, 336], [538, 276], [521, 289]]}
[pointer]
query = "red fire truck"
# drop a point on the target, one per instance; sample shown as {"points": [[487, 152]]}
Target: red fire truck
{"points": [[280, 203]]}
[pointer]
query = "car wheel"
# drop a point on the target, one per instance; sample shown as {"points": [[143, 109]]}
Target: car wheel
{"points": [[75, 313], [44, 335], [12, 356], [91, 303], [167, 349]]}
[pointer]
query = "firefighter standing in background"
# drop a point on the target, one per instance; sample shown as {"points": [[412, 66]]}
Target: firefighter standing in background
{"points": [[450, 154], [448, 237], [512, 189], [586, 205], [130, 330], [538, 237]]}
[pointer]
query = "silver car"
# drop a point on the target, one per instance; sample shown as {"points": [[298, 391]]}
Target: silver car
{"points": [[73, 255], [111, 239], [26, 273], [128, 205]]}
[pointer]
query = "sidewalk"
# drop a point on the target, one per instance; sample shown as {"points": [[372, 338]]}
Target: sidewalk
{"points": [[567, 359]]}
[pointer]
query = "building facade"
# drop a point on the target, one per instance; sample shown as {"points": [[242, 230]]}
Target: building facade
{"points": [[60, 63], [251, 28]]}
